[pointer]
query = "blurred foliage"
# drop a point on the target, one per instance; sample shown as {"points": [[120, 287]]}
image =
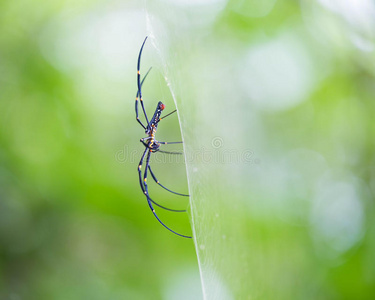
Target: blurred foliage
{"points": [[292, 81], [288, 83], [73, 221]]}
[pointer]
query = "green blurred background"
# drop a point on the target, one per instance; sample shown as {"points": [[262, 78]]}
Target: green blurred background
{"points": [[276, 105]]}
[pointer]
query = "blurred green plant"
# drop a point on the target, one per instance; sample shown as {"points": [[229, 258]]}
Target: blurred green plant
{"points": [[275, 103]]}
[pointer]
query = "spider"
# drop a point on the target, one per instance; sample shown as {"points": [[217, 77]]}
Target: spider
{"points": [[152, 145]]}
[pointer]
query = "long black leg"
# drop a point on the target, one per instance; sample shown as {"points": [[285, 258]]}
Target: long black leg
{"points": [[139, 80], [149, 202], [156, 216], [157, 181], [166, 208], [166, 116], [143, 188], [140, 169], [168, 152], [143, 141], [166, 143], [136, 101]]}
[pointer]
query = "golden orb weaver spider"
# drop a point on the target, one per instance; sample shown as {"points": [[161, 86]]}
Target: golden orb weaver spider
{"points": [[152, 145]]}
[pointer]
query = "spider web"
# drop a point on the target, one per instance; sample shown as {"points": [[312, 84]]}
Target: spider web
{"points": [[261, 206], [207, 216]]}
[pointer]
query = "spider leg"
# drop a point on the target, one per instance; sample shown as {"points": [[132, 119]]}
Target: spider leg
{"points": [[139, 80], [165, 143], [166, 208], [149, 202], [136, 101], [142, 140], [168, 152], [143, 188], [140, 169], [156, 216], [157, 181], [166, 116]]}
